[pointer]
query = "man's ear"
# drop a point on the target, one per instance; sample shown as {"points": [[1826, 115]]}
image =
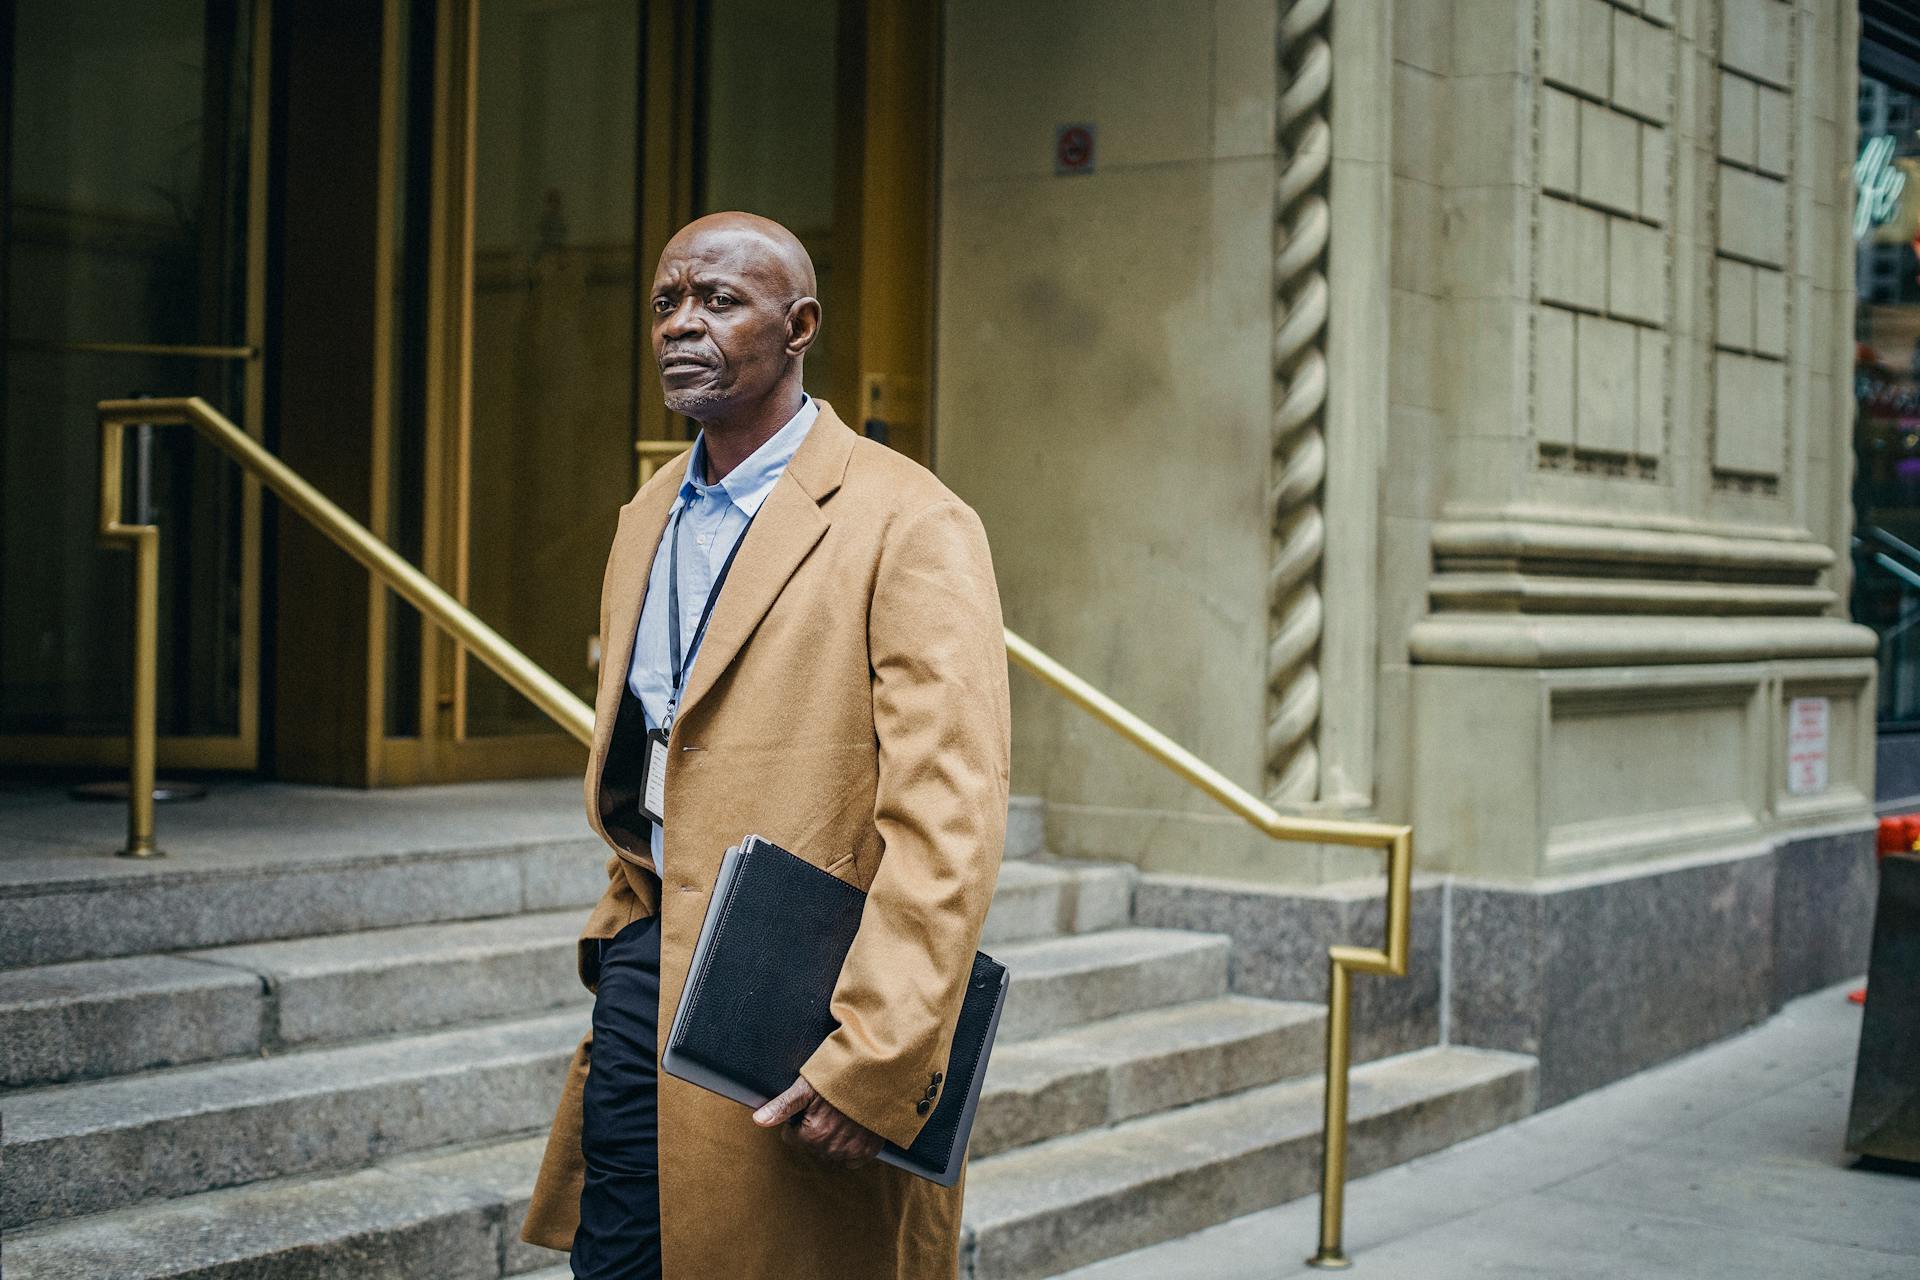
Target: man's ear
{"points": [[803, 325]]}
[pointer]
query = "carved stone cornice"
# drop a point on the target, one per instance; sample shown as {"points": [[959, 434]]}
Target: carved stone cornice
{"points": [[1547, 593]]}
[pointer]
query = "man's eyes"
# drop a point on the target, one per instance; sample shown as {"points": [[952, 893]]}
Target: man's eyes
{"points": [[718, 301]]}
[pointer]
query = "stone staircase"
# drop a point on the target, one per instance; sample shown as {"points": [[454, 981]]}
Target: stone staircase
{"points": [[297, 1078]]}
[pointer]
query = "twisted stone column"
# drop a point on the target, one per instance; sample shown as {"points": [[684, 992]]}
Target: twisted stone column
{"points": [[1300, 370]]}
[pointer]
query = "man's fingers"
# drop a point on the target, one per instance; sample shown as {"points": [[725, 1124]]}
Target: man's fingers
{"points": [[814, 1124], [786, 1106]]}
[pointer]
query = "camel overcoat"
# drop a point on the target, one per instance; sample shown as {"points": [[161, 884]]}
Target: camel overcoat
{"points": [[849, 702]]}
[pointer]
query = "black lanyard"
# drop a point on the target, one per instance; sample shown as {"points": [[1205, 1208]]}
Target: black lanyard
{"points": [[673, 607]]}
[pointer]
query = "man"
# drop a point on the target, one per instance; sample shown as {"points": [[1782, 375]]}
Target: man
{"points": [[802, 635]]}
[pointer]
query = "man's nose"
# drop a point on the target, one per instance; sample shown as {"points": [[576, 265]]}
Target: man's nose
{"points": [[683, 321]]}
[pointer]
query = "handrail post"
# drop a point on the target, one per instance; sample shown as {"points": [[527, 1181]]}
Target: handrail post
{"points": [[1395, 841], [1333, 1167], [143, 744], [143, 538]]}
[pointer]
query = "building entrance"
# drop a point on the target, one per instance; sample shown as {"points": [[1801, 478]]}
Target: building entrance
{"points": [[407, 244], [557, 148]]}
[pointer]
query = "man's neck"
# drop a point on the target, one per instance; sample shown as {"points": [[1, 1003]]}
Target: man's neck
{"points": [[731, 441]]}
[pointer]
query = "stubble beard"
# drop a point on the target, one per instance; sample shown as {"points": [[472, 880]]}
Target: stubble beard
{"points": [[695, 403]]}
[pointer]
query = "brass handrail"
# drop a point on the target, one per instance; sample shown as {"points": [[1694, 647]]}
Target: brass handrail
{"points": [[576, 717], [1343, 961], [511, 665]]}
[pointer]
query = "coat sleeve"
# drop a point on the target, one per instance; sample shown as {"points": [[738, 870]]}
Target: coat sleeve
{"points": [[940, 717]]}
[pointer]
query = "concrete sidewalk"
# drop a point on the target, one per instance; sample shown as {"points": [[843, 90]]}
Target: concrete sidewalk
{"points": [[1725, 1163]]}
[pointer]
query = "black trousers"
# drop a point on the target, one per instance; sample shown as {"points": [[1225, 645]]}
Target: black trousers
{"points": [[619, 1234]]}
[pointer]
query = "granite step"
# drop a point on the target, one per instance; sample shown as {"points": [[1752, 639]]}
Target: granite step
{"points": [[1042, 899], [259, 862], [92, 1146], [417, 978], [54, 912], [102, 1145], [94, 1018], [1043, 1209], [1140, 1063], [447, 1215], [455, 1214], [1064, 982]]}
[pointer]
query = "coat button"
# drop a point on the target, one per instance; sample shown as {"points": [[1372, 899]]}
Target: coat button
{"points": [[937, 1077], [923, 1106]]}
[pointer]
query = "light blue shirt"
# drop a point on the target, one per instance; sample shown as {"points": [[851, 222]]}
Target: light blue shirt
{"points": [[711, 518]]}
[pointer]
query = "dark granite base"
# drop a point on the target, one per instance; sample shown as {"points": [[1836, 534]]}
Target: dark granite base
{"points": [[1280, 940], [1603, 978], [1597, 976], [1824, 887]]}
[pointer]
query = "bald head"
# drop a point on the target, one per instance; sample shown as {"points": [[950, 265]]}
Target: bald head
{"points": [[733, 315], [749, 234]]}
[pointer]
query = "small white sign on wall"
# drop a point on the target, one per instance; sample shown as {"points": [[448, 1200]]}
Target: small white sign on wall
{"points": [[1808, 738]]}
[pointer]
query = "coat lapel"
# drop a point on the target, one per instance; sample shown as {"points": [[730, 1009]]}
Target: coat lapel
{"points": [[786, 529]]}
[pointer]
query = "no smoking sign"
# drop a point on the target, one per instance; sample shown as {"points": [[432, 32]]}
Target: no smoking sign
{"points": [[1073, 148]]}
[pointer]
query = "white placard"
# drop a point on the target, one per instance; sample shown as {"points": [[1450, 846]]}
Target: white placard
{"points": [[1808, 723]]}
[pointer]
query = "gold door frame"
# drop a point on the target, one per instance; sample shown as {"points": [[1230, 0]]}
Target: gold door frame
{"points": [[238, 751]]}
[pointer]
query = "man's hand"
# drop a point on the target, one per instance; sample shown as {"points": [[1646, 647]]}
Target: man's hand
{"points": [[819, 1127]]}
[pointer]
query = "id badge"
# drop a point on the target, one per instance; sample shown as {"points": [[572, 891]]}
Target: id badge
{"points": [[653, 796]]}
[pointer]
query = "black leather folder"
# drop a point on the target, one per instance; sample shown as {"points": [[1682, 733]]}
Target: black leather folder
{"points": [[757, 998]]}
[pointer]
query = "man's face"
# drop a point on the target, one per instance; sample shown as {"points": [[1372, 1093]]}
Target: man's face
{"points": [[723, 335]]}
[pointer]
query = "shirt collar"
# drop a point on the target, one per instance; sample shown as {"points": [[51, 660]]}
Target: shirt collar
{"points": [[748, 484]]}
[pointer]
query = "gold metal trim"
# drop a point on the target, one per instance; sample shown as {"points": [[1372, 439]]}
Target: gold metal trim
{"points": [[549, 695], [190, 351], [1394, 840], [254, 377], [144, 540], [223, 752], [393, 29]]}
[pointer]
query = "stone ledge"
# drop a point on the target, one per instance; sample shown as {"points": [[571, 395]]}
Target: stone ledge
{"points": [[1592, 545], [1545, 640]]}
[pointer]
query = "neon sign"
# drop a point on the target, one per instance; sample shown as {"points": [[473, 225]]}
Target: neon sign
{"points": [[1877, 185]]}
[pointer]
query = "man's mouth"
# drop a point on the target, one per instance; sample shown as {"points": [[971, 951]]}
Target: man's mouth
{"points": [[684, 365]]}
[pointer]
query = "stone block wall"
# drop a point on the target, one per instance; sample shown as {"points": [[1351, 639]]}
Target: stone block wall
{"points": [[1105, 388], [1571, 515], [1622, 354]]}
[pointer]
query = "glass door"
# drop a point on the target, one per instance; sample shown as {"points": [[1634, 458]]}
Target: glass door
{"points": [[132, 241], [547, 457], [571, 138]]}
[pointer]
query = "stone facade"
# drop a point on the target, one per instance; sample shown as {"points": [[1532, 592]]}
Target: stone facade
{"points": [[1579, 476], [1637, 402], [1586, 412]]}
